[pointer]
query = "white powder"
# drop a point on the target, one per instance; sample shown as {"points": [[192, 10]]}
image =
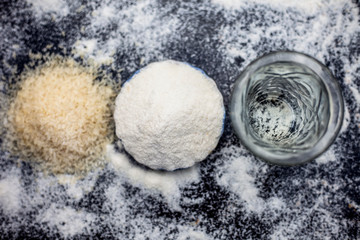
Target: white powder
{"points": [[59, 7], [144, 23], [237, 174], [295, 35], [88, 49], [328, 156], [308, 6], [167, 183], [66, 219], [169, 115], [351, 72], [346, 120], [10, 189], [76, 187], [188, 233]]}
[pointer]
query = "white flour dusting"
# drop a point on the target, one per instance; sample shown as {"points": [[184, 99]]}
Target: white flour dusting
{"points": [[290, 33], [328, 156], [77, 187], [187, 233], [308, 6], [239, 175], [57, 7], [66, 219], [352, 70], [169, 115], [299, 216], [145, 32], [10, 189], [168, 184], [346, 120]]}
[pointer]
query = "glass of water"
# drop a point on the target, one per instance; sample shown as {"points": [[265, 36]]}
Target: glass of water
{"points": [[286, 108]]}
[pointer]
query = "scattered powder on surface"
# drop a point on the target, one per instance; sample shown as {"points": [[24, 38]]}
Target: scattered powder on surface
{"points": [[57, 7], [238, 174], [169, 115], [76, 187], [243, 175], [187, 233], [328, 156], [66, 219], [351, 71], [307, 6], [318, 214], [291, 33], [346, 120], [61, 117], [147, 32], [168, 184], [10, 189]]}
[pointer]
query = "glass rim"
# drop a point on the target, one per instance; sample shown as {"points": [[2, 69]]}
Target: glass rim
{"points": [[336, 108]]}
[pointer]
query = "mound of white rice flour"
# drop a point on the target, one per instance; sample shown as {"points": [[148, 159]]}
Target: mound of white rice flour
{"points": [[169, 115]]}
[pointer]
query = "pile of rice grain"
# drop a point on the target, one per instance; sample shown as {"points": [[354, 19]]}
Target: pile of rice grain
{"points": [[61, 117]]}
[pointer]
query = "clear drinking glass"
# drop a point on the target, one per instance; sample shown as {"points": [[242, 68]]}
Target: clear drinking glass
{"points": [[286, 108]]}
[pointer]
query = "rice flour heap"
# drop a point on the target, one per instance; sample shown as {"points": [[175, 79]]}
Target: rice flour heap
{"points": [[169, 115]]}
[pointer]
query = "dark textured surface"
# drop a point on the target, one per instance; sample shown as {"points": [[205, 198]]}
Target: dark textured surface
{"points": [[319, 200]]}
